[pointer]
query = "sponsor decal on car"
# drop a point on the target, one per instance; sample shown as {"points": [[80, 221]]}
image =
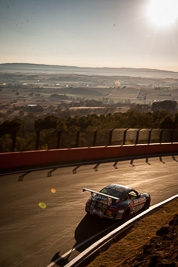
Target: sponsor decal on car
{"points": [[100, 197], [98, 212]]}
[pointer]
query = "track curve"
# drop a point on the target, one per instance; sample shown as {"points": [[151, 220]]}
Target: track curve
{"points": [[34, 236]]}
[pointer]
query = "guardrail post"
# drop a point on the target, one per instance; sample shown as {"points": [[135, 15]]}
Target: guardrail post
{"points": [[59, 139], [110, 137], [94, 138], [77, 138], [14, 135], [149, 136], [37, 139], [172, 135], [137, 137], [161, 135], [124, 136]]}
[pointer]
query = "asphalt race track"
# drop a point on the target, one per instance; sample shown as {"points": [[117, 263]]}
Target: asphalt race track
{"points": [[33, 235]]}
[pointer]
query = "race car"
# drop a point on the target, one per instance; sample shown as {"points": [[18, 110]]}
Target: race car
{"points": [[116, 202]]}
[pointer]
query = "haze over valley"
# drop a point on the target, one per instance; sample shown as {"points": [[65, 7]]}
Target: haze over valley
{"points": [[48, 89]]}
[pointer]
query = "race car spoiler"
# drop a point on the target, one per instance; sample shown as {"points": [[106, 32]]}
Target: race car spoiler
{"points": [[99, 193]]}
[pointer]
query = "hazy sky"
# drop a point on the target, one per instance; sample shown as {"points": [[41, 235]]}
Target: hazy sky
{"points": [[94, 33]]}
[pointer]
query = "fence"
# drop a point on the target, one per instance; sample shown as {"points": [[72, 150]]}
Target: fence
{"points": [[52, 139]]}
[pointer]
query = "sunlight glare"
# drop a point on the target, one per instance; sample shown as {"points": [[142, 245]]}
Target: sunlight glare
{"points": [[53, 190], [163, 13]]}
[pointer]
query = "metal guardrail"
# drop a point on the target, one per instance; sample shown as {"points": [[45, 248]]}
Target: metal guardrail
{"points": [[77, 165], [116, 136], [103, 241], [98, 137]]}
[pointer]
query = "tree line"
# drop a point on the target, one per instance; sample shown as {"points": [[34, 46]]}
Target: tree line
{"points": [[29, 133]]}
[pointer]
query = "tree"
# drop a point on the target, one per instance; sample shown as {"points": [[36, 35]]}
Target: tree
{"points": [[11, 128], [46, 123], [167, 123], [50, 122], [168, 105], [176, 120]]}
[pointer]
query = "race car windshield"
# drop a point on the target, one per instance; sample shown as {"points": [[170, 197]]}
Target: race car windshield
{"points": [[112, 192]]}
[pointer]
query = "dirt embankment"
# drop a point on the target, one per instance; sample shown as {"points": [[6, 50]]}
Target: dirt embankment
{"points": [[161, 250], [152, 242]]}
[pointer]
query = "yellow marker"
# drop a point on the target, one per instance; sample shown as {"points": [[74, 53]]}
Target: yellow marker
{"points": [[42, 205]]}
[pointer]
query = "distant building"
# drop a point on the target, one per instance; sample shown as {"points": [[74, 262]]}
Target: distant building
{"points": [[32, 105]]}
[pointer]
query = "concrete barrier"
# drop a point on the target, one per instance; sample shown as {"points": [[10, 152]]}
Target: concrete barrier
{"points": [[61, 156]]}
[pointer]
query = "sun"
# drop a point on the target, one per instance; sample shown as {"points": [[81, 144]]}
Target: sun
{"points": [[163, 13]]}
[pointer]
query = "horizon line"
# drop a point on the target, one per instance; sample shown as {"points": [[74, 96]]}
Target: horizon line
{"points": [[74, 66]]}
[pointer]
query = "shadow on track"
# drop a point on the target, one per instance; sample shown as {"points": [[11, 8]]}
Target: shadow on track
{"points": [[90, 228]]}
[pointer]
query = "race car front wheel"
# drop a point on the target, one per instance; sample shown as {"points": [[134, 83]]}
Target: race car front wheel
{"points": [[147, 204], [126, 215]]}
